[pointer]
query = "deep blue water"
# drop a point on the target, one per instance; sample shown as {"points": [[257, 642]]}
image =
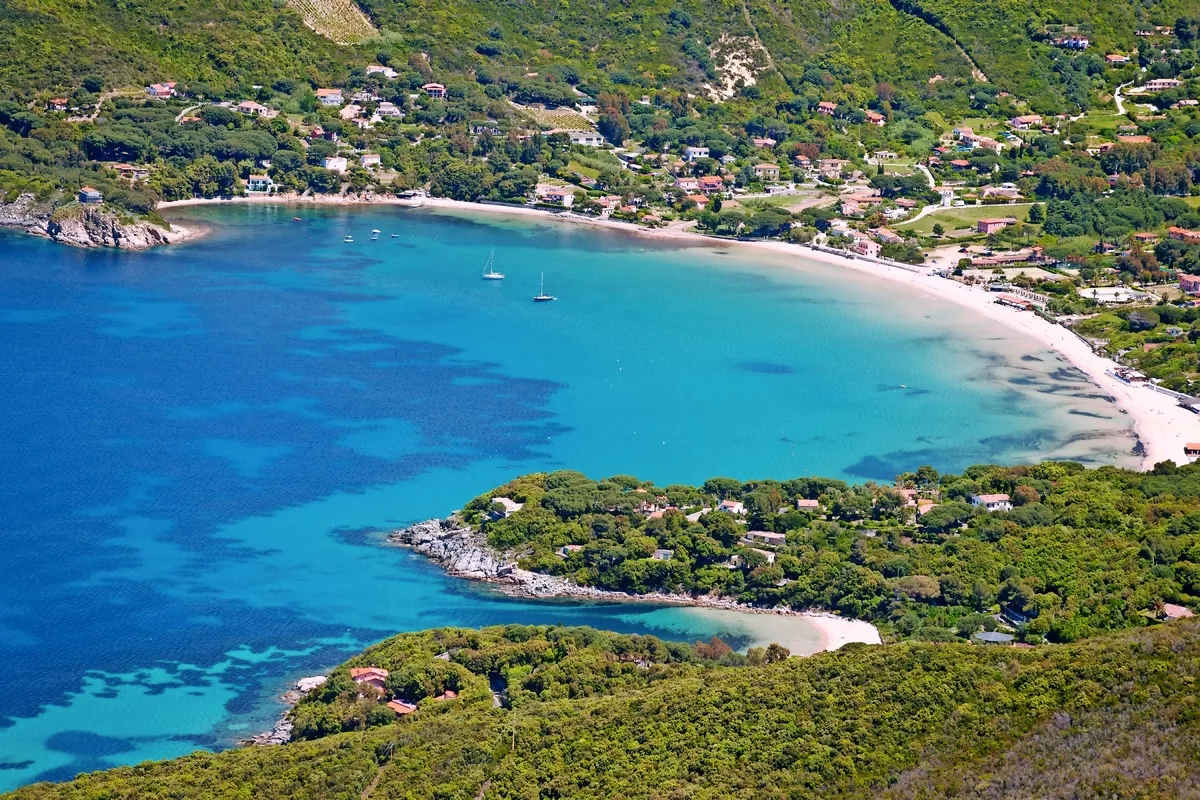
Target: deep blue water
{"points": [[200, 442]]}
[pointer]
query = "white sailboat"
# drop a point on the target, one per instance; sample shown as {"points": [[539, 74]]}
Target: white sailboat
{"points": [[489, 272], [542, 297]]}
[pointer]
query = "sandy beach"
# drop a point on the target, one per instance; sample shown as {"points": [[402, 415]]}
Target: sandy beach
{"points": [[1161, 425]]}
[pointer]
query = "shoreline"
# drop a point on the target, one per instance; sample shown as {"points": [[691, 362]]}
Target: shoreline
{"points": [[1159, 424], [462, 553]]}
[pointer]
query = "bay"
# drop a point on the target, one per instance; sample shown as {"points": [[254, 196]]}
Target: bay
{"points": [[201, 443]]}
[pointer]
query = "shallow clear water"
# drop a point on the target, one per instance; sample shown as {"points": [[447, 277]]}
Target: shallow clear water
{"points": [[200, 442]]}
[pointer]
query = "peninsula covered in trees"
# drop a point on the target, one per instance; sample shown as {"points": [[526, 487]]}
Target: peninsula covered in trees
{"points": [[1050, 553]]}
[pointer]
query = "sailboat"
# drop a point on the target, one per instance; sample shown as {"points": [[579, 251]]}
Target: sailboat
{"points": [[542, 297], [489, 272]]}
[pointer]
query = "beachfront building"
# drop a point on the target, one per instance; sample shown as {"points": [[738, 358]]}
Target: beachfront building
{"points": [[90, 196], [259, 184], [864, 245], [993, 224], [556, 195], [992, 502], [370, 676]]}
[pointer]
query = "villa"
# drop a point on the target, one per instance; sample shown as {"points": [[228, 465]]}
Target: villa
{"points": [[57, 104], [335, 164], [370, 676], [826, 108], [765, 537], [875, 118], [435, 90], [386, 109], [804, 504], [510, 506], [1184, 235], [1024, 123], [259, 184], [1162, 84], [89, 196], [330, 97], [691, 154], [401, 708], [161, 91], [1116, 58], [767, 554], [369, 160], [1189, 284], [662, 555], [992, 502], [766, 172], [251, 108], [764, 142], [1173, 611], [556, 196], [993, 224], [711, 184], [379, 69], [732, 507]]}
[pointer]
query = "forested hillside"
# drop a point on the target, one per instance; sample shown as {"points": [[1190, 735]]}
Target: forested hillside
{"points": [[598, 716]]}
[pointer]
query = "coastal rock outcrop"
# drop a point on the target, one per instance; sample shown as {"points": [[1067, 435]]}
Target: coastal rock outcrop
{"points": [[282, 732], [83, 226], [458, 548]]}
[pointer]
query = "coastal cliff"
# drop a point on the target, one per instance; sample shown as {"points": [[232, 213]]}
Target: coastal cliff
{"points": [[84, 226]]}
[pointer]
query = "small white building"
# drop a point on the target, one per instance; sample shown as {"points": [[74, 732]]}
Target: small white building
{"points": [[510, 506], [259, 184], [694, 153], [765, 537], [732, 507], [388, 109], [556, 195], [992, 502], [335, 164], [662, 555], [585, 138], [379, 69], [369, 160]]}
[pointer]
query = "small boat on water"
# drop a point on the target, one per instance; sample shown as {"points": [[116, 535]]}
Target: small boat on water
{"points": [[395, 236], [347, 239], [375, 231], [295, 219], [542, 297], [374, 238], [489, 272]]}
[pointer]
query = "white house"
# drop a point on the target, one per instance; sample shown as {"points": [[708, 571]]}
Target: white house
{"points": [[662, 555], [694, 153], [330, 97], [767, 554], [586, 138], [733, 507], [335, 164], [992, 502], [369, 160], [510, 506], [259, 184], [387, 109], [556, 195], [379, 69], [765, 537], [804, 504]]}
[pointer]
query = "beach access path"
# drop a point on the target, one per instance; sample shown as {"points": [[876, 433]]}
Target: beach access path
{"points": [[1162, 426]]}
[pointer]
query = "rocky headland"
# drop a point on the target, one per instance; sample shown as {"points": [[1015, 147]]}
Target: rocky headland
{"points": [[85, 225]]}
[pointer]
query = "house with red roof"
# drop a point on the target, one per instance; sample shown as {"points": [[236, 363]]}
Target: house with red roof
{"points": [[370, 676]]}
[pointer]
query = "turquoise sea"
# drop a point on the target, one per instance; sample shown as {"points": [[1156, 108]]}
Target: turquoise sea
{"points": [[202, 442]]}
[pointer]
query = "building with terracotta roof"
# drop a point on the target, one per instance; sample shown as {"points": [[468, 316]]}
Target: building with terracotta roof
{"points": [[369, 676]]}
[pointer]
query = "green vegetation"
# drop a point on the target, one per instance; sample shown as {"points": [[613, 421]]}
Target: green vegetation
{"points": [[952, 219], [1082, 552], [1111, 717]]}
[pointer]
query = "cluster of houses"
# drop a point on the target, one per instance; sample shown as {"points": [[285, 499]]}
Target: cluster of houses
{"points": [[376, 678]]}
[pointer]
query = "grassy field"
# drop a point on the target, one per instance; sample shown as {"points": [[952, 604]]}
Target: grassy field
{"points": [[955, 218]]}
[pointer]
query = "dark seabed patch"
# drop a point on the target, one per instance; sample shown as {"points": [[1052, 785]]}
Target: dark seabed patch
{"points": [[1028, 357], [1080, 413]]}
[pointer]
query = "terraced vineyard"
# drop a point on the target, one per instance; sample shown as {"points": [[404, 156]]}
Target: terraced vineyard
{"points": [[340, 20], [547, 118]]}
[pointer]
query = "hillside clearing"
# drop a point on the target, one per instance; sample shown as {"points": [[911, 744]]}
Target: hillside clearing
{"points": [[340, 20]]}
